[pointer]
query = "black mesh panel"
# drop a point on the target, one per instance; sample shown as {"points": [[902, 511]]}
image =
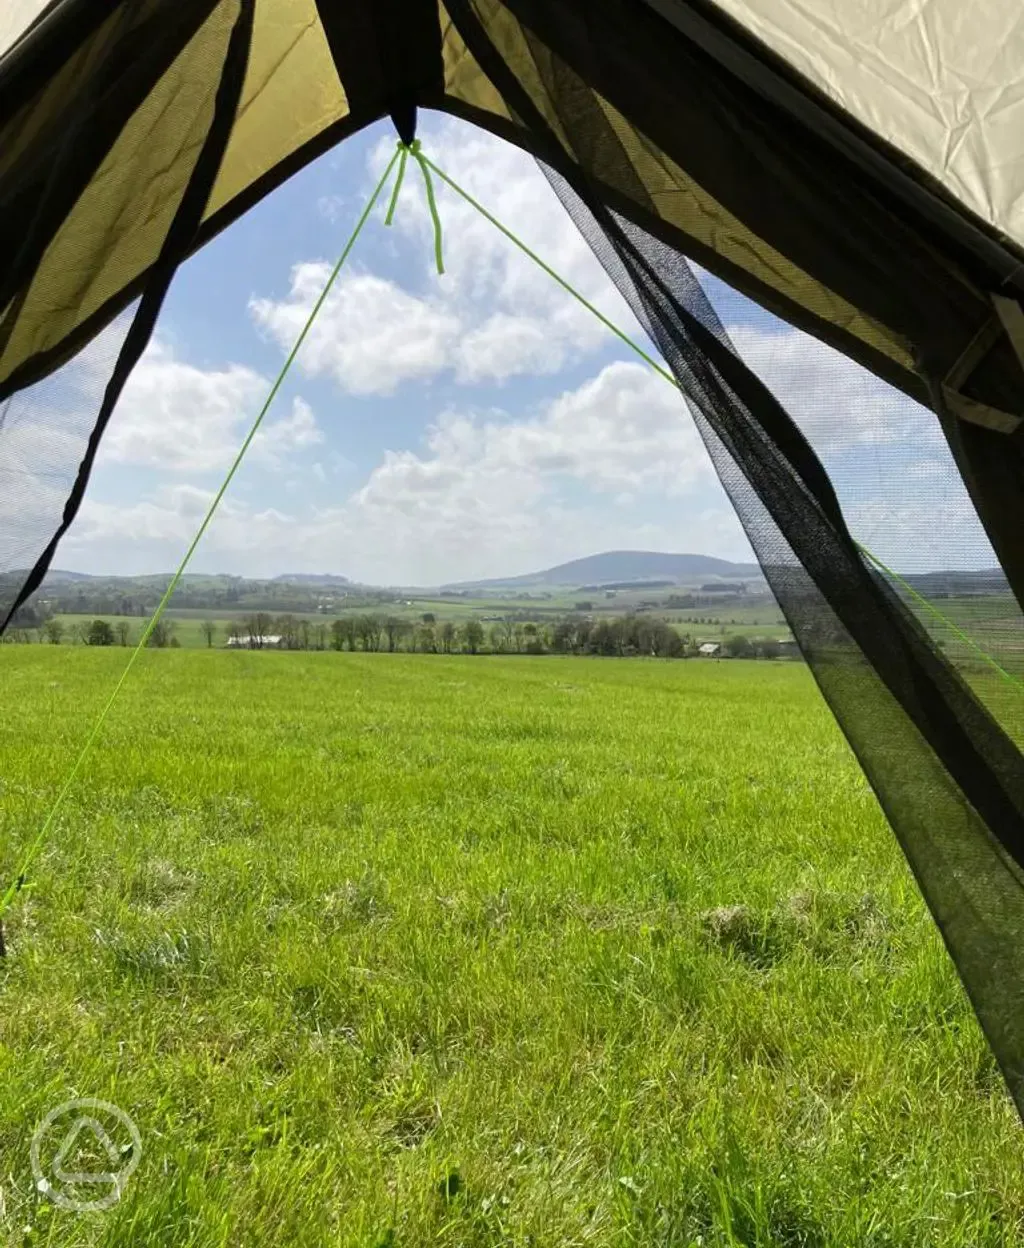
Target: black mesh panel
{"points": [[44, 435], [948, 776]]}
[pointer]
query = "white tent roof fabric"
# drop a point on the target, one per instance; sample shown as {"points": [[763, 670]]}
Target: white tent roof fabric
{"points": [[15, 17], [942, 81]]}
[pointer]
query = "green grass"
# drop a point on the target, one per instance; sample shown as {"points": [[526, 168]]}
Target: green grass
{"points": [[336, 929]]}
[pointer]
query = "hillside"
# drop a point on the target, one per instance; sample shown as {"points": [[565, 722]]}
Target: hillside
{"points": [[323, 580], [620, 566], [639, 572]]}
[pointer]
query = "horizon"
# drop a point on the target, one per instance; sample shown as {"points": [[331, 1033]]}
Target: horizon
{"points": [[672, 554], [496, 579]]}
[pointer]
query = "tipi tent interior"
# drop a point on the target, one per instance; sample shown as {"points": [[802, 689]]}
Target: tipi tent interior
{"points": [[857, 170]]}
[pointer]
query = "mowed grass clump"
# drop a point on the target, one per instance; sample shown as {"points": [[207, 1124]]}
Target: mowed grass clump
{"points": [[399, 950]]}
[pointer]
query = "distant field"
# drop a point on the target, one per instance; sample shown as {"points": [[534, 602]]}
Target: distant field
{"points": [[401, 950], [763, 620], [992, 622]]}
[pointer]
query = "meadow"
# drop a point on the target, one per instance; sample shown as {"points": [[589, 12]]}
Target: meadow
{"points": [[386, 950]]}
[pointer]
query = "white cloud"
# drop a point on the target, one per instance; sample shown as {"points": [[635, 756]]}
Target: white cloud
{"points": [[297, 431], [174, 416], [487, 268], [892, 471], [929, 523], [505, 345], [370, 335], [494, 315], [486, 494], [615, 462], [44, 432], [838, 405], [332, 207], [624, 430]]}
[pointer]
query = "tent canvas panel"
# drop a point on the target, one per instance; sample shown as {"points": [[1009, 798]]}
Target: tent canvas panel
{"points": [[668, 131], [931, 79]]}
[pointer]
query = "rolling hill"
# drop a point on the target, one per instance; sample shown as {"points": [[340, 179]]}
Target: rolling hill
{"points": [[621, 566]]}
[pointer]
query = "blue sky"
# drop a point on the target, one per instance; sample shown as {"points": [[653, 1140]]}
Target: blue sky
{"points": [[476, 424]]}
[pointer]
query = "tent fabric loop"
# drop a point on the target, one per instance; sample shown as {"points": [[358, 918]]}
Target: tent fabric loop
{"points": [[413, 149]]}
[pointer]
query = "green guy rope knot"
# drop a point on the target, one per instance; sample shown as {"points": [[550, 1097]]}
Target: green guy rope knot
{"points": [[405, 150]]}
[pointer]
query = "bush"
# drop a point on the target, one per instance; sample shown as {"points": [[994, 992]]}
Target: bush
{"points": [[738, 647], [100, 634]]}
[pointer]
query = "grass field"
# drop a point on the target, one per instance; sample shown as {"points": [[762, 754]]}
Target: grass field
{"points": [[398, 950]]}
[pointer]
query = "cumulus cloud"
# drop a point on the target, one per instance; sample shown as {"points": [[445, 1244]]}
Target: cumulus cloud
{"points": [[892, 471], [44, 432], [494, 315], [485, 492], [504, 345], [174, 415], [624, 430], [838, 405], [369, 336], [484, 265], [298, 431], [614, 462], [925, 523]]}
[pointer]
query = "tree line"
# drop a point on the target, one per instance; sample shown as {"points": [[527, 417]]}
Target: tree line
{"points": [[616, 637], [55, 631], [619, 636]]}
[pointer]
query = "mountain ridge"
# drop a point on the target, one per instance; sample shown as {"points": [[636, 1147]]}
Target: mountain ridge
{"points": [[614, 567], [621, 566]]}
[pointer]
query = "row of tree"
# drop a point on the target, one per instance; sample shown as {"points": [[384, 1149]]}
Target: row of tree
{"points": [[618, 637], [93, 633]]}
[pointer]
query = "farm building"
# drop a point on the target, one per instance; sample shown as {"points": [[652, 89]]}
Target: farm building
{"points": [[710, 650], [270, 642]]}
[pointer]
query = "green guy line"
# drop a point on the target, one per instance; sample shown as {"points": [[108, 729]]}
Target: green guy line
{"points": [[401, 154], [40, 838], [619, 333], [663, 372], [955, 628]]}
